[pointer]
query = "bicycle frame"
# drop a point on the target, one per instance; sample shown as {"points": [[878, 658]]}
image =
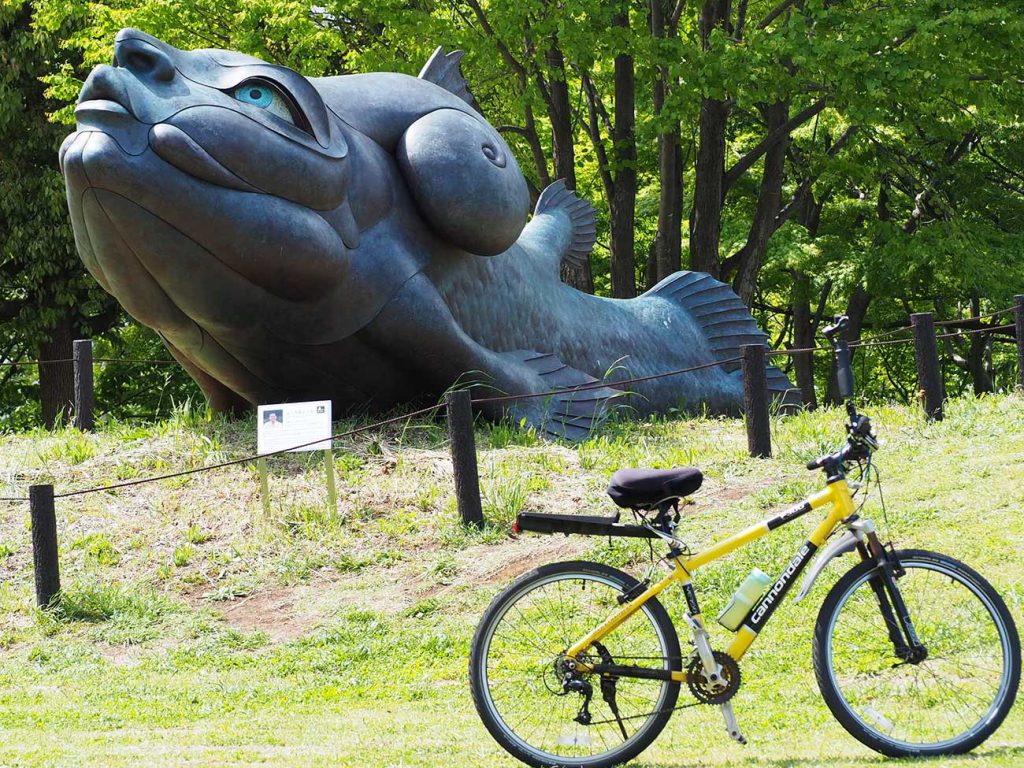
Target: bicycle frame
{"points": [[835, 496]]}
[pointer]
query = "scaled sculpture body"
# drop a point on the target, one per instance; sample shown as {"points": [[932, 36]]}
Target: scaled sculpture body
{"points": [[363, 238]]}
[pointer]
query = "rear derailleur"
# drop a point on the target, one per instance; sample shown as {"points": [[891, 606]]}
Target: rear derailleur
{"points": [[572, 683]]}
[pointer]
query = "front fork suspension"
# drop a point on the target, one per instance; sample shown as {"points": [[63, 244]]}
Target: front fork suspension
{"points": [[906, 644]]}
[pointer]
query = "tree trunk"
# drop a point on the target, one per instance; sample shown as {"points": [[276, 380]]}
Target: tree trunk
{"points": [[805, 321], [706, 217], [978, 364], [753, 252], [540, 161], [803, 338], [979, 357], [668, 242], [57, 380], [623, 202], [560, 114], [564, 150]]}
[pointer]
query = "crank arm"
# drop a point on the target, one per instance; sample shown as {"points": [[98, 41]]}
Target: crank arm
{"points": [[731, 726]]}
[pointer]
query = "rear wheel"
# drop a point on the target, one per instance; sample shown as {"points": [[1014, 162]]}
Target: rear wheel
{"points": [[518, 668], [946, 704]]}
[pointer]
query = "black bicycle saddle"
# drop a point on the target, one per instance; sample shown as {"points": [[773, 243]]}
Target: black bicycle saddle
{"points": [[647, 488]]}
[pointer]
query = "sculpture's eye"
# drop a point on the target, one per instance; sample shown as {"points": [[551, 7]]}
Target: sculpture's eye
{"points": [[262, 94]]}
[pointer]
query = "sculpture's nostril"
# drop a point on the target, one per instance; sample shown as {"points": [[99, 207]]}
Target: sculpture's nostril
{"points": [[142, 59]]}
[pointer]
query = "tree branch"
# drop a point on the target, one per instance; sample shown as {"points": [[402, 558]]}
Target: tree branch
{"points": [[769, 141], [805, 186], [775, 13], [594, 131]]}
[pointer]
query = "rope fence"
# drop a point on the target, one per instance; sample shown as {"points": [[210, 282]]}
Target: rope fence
{"points": [[458, 406]]}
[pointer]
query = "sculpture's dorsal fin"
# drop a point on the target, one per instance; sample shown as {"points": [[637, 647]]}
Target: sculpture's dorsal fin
{"points": [[442, 68], [581, 218]]}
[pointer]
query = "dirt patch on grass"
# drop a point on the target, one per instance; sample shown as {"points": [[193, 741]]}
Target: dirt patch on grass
{"points": [[290, 612], [272, 611], [501, 564]]}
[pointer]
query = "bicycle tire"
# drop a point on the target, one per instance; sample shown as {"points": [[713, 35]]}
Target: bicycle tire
{"points": [[614, 582], [936, 626]]}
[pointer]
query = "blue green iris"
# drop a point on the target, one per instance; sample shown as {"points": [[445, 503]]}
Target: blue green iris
{"points": [[258, 95], [265, 96]]}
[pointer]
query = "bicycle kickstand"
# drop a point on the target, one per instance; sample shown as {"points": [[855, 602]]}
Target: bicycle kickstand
{"points": [[730, 723]]}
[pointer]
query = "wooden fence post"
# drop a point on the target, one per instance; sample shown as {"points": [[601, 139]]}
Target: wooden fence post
{"points": [[926, 354], [463, 441], [83, 385], [755, 401], [1018, 312], [44, 543]]}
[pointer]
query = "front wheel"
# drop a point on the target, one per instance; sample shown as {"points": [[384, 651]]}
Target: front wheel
{"points": [[518, 670], [949, 702]]}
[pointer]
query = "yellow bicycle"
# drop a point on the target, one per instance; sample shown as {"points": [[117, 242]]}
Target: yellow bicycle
{"points": [[578, 664]]}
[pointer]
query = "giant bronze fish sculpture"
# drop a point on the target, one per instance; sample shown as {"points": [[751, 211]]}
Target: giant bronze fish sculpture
{"points": [[364, 238]]}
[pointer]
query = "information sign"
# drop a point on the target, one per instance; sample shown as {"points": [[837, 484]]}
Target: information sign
{"points": [[284, 425]]}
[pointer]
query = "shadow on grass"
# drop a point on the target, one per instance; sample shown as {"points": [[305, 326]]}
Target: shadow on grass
{"points": [[1008, 755]]}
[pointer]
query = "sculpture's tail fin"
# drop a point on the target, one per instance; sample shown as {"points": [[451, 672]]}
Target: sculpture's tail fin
{"points": [[726, 322]]}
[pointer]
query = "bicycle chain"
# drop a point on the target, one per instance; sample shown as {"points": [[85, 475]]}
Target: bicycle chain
{"points": [[695, 672]]}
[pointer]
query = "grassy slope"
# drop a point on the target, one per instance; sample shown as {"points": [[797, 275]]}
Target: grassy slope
{"points": [[195, 631]]}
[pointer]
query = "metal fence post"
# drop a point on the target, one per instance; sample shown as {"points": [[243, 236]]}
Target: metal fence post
{"points": [[463, 441], [83, 385], [44, 544], [1018, 312], [755, 401], [926, 354]]}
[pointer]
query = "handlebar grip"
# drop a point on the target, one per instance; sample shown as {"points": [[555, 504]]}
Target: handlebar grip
{"points": [[844, 372]]}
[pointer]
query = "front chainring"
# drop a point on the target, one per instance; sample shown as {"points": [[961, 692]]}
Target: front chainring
{"points": [[701, 687]]}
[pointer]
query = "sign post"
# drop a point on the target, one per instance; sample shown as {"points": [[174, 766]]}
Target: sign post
{"points": [[261, 465], [295, 427], [332, 490]]}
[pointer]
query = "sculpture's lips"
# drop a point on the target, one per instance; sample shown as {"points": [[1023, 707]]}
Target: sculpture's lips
{"points": [[100, 107]]}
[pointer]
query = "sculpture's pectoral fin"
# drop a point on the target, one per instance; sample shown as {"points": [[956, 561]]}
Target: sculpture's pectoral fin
{"points": [[580, 217], [566, 402]]}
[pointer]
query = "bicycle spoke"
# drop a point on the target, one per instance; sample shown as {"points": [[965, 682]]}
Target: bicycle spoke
{"points": [[928, 702], [524, 685]]}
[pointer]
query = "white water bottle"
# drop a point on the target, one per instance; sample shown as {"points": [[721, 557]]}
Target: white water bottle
{"points": [[743, 600]]}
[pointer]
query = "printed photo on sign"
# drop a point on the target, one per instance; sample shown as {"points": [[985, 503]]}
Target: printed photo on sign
{"points": [[293, 427]]}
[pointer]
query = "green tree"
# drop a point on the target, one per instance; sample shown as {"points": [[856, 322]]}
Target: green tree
{"points": [[46, 298], [855, 156]]}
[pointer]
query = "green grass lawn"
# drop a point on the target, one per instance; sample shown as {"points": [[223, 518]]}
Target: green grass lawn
{"points": [[195, 630]]}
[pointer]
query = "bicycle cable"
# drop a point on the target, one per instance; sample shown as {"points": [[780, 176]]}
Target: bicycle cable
{"points": [[881, 498]]}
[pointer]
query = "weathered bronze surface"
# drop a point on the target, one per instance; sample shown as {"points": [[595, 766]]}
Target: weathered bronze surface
{"points": [[363, 238]]}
